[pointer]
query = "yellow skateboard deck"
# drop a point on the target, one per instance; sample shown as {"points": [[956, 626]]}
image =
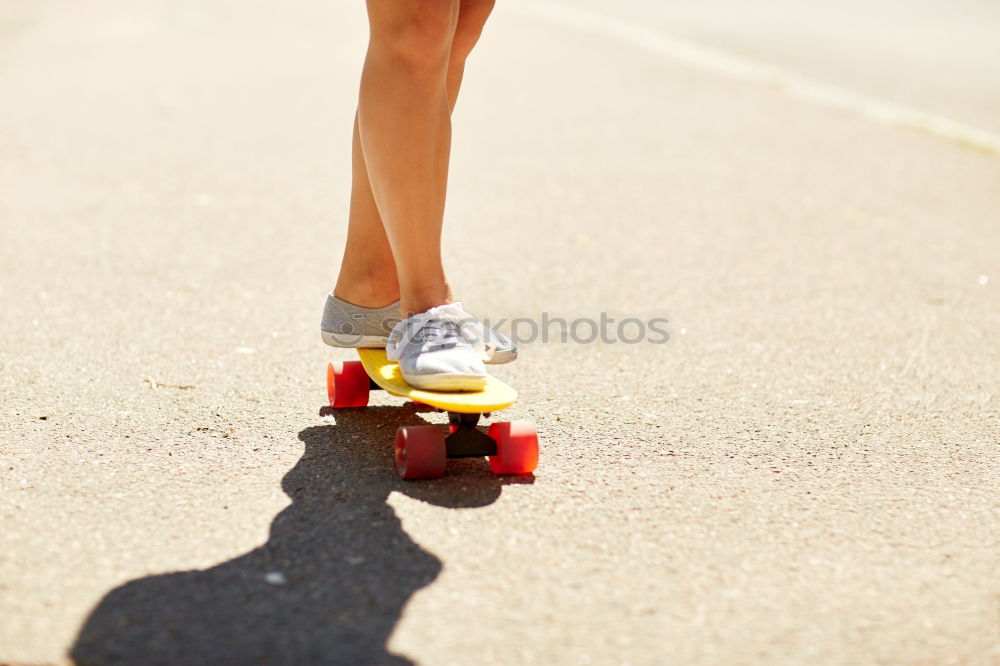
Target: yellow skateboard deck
{"points": [[493, 397]]}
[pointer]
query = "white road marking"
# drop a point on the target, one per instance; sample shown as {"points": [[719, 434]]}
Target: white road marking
{"points": [[746, 69]]}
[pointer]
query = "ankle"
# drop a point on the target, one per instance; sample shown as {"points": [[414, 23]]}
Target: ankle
{"points": [[366, 293], [421, 299]]}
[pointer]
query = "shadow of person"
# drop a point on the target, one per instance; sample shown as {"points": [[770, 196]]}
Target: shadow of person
{"points": [[328, 586]]}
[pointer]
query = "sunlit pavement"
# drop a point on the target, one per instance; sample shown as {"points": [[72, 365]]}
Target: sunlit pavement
{"points": [[805, 472]]}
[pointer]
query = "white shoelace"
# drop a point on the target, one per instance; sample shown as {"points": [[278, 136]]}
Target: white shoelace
{"points": [[432, 329]]}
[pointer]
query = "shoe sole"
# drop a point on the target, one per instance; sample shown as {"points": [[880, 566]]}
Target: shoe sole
{"points": [[347, 341], [444, 382], [501, 357]]}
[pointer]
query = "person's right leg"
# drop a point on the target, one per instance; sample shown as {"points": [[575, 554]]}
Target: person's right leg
{"points": [[368, 275], [367, 272], [405, 133]]}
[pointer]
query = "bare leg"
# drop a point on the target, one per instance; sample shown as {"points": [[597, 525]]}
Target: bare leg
{"points": [[471, 18], [368, 274], [367, 271]]}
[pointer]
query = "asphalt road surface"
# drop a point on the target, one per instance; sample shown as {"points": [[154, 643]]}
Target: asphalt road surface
{"points": [[806, 472]]}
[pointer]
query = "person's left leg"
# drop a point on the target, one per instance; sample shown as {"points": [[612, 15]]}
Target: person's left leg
{"points": [[471, 18], [368, 275]]}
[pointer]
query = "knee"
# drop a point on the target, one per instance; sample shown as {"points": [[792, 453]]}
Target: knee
{"points": [[416, 34]]}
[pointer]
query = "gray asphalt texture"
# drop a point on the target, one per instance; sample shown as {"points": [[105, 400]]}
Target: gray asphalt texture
{"points": [[806, 472]]}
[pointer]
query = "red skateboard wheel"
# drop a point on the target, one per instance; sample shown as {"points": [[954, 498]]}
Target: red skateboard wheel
{"points": [[420, 452], [347, 384], [517, 447]]}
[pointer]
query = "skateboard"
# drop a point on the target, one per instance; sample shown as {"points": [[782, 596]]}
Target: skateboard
{"points": [[423, 450]]}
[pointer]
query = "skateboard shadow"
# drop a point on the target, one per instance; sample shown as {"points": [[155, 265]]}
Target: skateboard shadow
{"points": [[341, 567]]}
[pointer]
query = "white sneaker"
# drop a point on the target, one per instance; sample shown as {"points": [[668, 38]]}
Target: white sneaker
{"points": [[440, 350]]}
